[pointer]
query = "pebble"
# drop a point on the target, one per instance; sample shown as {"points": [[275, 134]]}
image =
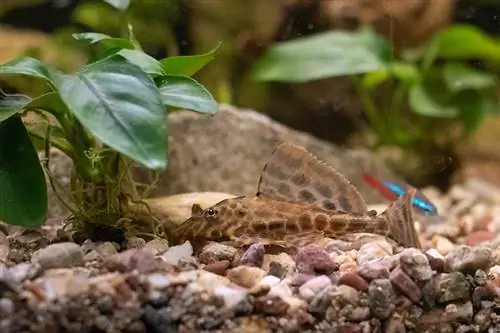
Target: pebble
{"points": [[253, 256], [174, 254], [480, 236], [464, 258], [452, 287], [372, 251], [415, 264], [373, 270], [312, 259], [436, 260], [322, 300], [354, 280], [106, 249], [219, 251], [283, 266], [442, 244], [312, 287], [271, 305], [218, 267], [157, 246], [347, 294], [135, 243], [7, 307], [269, 281], [381, 297], [93, 255], [8, 281], [59, 255], [405, 285], [232, 297], [246, 276], [134, 259], [4, 247]]}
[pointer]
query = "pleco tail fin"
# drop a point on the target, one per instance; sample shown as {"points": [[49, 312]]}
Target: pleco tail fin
{"points": [[399, 215]]}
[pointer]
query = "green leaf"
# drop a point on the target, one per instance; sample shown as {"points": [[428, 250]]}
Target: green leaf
{"points": [[373, 79], [12, 104], [460, 77], [188, 65], [26, 66], [323, 55], [462, 41], [148, 64], [50, 102], [431, 103], [473, 108], [108, 42], [121, 5], [120, 105], [185, 93], [406, 72], [23, 193]]}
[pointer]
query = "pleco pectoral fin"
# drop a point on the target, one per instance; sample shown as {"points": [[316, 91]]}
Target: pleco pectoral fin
{"points": [[399, 216]]}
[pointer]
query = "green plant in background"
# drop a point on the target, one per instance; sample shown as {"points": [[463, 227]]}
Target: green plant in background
{"points": [[446, 96], [106, 116]]}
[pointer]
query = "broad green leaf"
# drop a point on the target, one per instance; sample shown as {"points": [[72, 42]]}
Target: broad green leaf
{"points": [[323, 55], [12, 104], [121, 106], [473, 108], [50, 102], [121, 5], [148, 64], [460, 77], [108, 42], [188, 65], [23, 193], [462, 41], [428, 103], [26, 66], [185, 93]]}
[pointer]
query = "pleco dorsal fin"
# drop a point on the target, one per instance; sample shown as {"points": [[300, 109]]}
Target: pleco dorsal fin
{"points": [[399, 216], [292, 173]]}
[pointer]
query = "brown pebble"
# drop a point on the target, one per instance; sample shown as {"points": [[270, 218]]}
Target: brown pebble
{"points": [[480, 236], [404, 284], [350, 328], [271, 305], [395, 324], [253, 256], [437, 264], [312, 259], [207, 258], [276, 269], [219, 267], [354, 280]]}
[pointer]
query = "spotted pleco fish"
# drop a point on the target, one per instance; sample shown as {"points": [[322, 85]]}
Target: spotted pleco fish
{"points": [[299, 200]]}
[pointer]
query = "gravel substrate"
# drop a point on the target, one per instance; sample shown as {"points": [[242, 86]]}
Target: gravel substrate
{"points": [[364, 285]]}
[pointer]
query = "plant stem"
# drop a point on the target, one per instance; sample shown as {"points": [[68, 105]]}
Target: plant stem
{"points": [[371, 110]]}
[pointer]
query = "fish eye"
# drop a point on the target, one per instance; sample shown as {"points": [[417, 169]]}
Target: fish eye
{"points": [[211, 212]]}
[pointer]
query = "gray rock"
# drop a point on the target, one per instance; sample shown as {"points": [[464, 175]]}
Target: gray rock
{"points": [[415, 264], [452, 287], [381, 296], [236, 144], [468, 259], [106, 249], [8, 281], [157, 246], [59, 255], [322, 300]]}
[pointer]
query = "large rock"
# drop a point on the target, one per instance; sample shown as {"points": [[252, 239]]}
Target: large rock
{"points": [[226, 153]]}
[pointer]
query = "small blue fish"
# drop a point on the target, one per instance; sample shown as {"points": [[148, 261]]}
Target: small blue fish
{"points": [[394, 189]]}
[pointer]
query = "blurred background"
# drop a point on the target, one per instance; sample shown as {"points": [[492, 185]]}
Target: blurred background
{"points": [[332, 108]]}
